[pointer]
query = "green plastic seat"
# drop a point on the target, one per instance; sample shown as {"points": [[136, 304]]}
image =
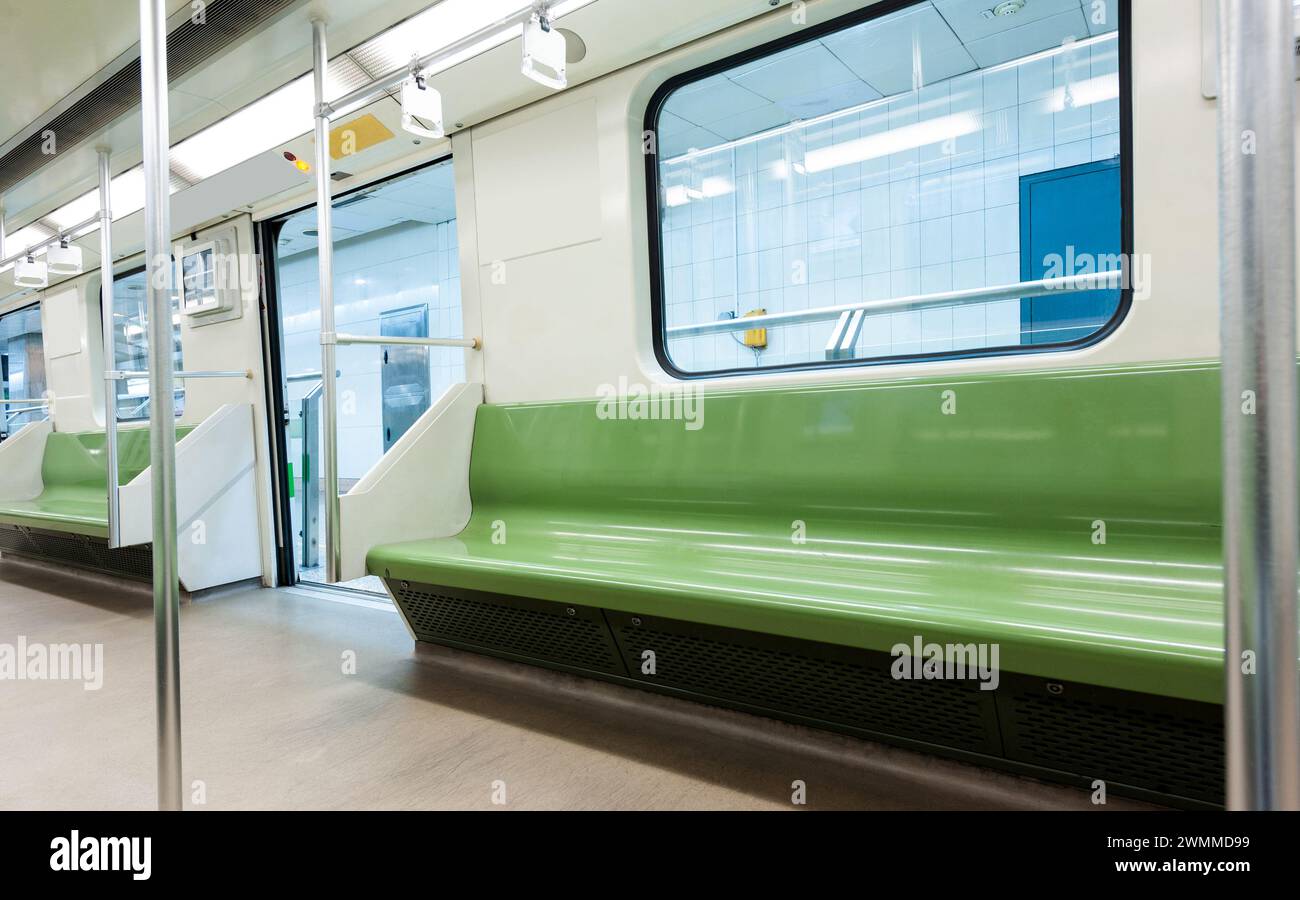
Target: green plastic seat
{"points": [[1071, 517], [74, 471]]}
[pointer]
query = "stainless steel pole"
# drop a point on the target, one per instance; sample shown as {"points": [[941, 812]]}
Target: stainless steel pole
{"points": [[1258, 334], [162, 411], [325, 256], [110, 358]]}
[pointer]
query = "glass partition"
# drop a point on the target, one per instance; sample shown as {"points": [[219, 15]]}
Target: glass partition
{"points": [[131, 346], [22, 370]]}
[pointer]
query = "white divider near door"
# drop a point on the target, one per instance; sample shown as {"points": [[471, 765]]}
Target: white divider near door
{"points": [[216, 502], [419, 489], [21, 457]]}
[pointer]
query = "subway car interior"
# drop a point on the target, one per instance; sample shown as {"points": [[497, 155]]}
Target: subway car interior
{"points": [[611, 405]]}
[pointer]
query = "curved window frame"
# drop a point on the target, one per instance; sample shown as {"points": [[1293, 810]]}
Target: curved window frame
{"points": [[810, 33]]}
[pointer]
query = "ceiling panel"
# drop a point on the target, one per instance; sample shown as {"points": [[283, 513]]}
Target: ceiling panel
{"points": [[1103, 19], [712, 99], [884, 52], [794, 72], [829, 99], [972, 21], [769, 115], [1031, 38]]}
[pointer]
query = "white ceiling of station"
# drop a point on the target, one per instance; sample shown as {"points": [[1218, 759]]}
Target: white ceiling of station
{"points": [[424, 196], [875, 59]]}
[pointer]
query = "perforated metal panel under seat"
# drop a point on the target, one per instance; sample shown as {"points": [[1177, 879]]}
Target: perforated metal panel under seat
{"points": [[1159, 744], [1137, 743], [78, 550], [839, 686], [14, 540], [571, 636]]}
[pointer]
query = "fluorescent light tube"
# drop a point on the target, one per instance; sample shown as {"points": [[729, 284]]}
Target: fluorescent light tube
{"points": [[896, 140]]}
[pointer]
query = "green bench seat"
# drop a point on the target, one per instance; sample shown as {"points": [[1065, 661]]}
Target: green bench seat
{"points": [[1071, 517], [74, 471]]}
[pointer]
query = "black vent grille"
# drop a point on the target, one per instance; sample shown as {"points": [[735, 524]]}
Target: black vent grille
{"points": [[854, 691], [569, 636], [189, 46], [72, 549], [1164, 745], [14, 540], [1061, 730], [78, 550]]}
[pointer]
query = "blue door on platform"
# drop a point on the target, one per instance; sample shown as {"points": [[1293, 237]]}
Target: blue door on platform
{"points": [[1070, 222]]}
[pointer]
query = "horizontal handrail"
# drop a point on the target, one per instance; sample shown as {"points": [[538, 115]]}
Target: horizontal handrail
{"points": [[391, 81], [233, 373], [1021, 290], [467, 343], [22, 409]]}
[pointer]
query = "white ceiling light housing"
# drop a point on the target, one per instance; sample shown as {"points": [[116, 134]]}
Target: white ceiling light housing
{"points": [[421, 103], [63, 259], [30, 272], [544, 54]]}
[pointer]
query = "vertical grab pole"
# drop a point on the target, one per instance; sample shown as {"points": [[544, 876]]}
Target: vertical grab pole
{"points": [[110, 356], [325, 257], [1258, 333], [162, 408]]}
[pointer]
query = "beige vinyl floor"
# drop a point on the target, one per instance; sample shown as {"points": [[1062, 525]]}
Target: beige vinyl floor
{"points": [[272, 721]]}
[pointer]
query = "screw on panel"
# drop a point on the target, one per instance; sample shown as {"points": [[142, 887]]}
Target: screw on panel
{"points": [[1054, 687], [636, 621], [571, 611]]}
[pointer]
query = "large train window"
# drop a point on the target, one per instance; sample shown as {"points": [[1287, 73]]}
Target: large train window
{"points": [[860, 190], [22, 370], [131, 346]]}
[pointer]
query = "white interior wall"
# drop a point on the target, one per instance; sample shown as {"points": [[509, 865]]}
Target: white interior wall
{"points": [[570, 309]]}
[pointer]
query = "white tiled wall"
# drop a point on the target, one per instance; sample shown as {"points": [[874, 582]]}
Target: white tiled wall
{"points": [[931, 219], [411, 264]]}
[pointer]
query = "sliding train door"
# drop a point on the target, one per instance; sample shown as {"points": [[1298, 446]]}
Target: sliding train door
{"points": [[396, 272]]}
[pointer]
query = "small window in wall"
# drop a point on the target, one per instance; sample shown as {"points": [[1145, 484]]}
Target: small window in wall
{"points": [[22, 370], [862, 192], [131, 346]]}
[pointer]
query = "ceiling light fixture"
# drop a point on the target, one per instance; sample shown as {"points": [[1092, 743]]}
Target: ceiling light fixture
{"points": [[421, 103], [544, 53], [31, 272], [63, 259]]}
